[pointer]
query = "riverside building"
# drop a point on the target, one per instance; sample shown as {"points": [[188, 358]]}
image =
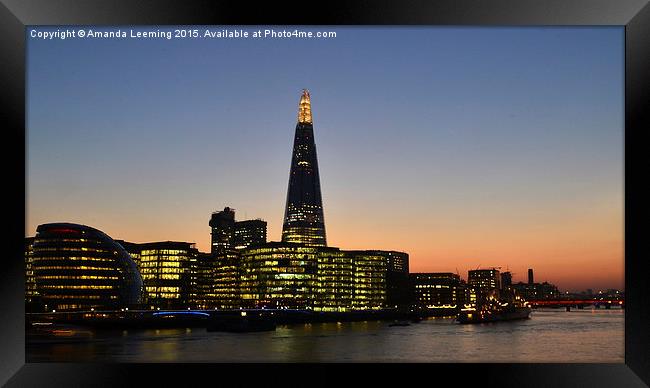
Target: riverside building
{"points": [[76, 267], [484, 280], [296, 276], [398, 293], [437, 290], [168, 270], [31, 295]]}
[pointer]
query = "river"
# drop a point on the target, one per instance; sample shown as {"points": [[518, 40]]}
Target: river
{"points": [[551, 335]]}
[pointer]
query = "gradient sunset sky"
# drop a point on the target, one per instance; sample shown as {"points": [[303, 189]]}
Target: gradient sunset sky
{"points": [[464, 147]]}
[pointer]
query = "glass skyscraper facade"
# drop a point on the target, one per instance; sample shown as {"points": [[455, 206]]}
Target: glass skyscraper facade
{"points": [[278, 275], [297, 276], [303, 218], [168, 271]]}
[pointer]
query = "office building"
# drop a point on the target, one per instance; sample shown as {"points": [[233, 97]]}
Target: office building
{"points": [[31, 295], [297, 276], [248, 233], [217, 281], [398, 291], [203, 295], [335, 280], [303, 218], [168, 271], [226, 280], [222, 225], [437, 290], [369, 280], [484, 280], [278, 275], [230, 234]]}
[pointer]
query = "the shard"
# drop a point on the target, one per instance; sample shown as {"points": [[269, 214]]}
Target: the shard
{"points": [[303, 217]]}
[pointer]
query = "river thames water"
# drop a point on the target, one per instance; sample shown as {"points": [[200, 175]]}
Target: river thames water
{"points": [[588, 335]]}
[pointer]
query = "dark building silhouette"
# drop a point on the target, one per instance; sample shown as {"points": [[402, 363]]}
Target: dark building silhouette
{"points": [[536, 291], [230, 234], [76, 267], [506, 279], [303, 218], [223, 229]]}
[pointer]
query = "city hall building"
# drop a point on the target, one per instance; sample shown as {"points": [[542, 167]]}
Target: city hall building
{"points": [[76, 267]]}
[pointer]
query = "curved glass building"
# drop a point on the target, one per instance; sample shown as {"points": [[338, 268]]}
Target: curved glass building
{"points": [[76, 267]]}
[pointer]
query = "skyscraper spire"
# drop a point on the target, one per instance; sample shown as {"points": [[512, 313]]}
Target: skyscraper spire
{"points": [[303, 218], [304, 109]]}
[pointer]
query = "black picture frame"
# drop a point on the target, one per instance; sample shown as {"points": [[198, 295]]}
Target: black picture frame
{"points": [[633, 14]]}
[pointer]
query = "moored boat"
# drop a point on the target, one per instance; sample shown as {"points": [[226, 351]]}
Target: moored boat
{"points": [[494, 315], [497, 305]]}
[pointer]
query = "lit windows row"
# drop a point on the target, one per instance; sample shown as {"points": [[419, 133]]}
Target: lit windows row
{"points": [[79, 267], [76, 277], [72, 287]]}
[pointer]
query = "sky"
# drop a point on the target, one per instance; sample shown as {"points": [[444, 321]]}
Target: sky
{"points": [[464, 147]]}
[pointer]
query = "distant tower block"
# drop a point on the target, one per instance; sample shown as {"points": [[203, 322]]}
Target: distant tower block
{"points": [[530, 276], [223, 229], [303, 218]]}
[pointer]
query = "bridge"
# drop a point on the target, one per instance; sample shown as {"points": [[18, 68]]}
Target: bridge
{"points": [[577, 303]]}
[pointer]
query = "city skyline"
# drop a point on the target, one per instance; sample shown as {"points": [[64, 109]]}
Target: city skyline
{"points": [[504, 214]]}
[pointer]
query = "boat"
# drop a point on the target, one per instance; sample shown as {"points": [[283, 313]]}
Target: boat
{"points": [[53, 331], [494, 316], [241, 323], [494, 307], [399, 323]]}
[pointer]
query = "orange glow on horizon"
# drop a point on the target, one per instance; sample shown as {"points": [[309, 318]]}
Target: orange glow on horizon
{"points": [[573, 251]]}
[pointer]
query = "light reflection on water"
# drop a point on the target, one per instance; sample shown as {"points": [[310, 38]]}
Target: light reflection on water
{"points": [[550, 336]]}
